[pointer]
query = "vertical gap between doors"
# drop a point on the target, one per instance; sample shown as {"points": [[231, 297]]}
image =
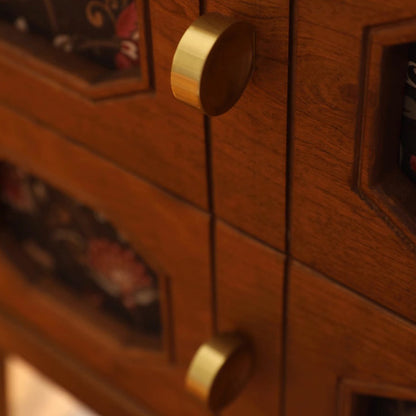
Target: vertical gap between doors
{"points": [[212, 222], [210, 191], [289, 182]]}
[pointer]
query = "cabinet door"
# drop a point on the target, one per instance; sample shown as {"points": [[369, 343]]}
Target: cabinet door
{"points": [[352, 209], [346, 355], [112, 93], [99, 73], [109, 271]]}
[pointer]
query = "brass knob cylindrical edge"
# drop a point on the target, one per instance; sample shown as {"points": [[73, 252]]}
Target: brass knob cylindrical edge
{"points": [[220, 369], [213, 63]]}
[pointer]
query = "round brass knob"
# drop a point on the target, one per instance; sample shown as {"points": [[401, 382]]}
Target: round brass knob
{"points": [[213, 63], [220, 369]]}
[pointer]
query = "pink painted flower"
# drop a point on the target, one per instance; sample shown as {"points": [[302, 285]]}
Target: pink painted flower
{"points": [[413, 163], [127, 31], [117, 270], [15, 190]]}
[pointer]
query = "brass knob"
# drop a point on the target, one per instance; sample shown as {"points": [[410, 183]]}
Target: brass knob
{"points": [[213, 63], [220, 369]]}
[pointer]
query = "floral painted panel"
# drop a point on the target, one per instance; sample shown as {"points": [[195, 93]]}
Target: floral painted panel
{"points": [[79, 248], [408, 130], [104, 31]]}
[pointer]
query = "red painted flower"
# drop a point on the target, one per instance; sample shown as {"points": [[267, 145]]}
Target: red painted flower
{"points": [[127, 31], [15, 190], [117, 270], [413, 163]]}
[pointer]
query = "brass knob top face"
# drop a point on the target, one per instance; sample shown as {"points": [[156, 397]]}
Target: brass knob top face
{"points": [[213, 63], [220, 369]]}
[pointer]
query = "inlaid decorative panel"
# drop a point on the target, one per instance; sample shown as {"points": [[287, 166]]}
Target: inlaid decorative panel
{"points": [[101, 42], [104, 31], [61, 239], [408, 129]]}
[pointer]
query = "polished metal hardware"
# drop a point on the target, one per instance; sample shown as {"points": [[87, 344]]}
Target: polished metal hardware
{"points": [[220, 369], [213, 63]]}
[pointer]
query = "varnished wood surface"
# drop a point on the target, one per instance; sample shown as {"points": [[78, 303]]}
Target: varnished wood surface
{"points": [[332, 228], [171, 235], [249, 283], [339, 343], [150, 134], [249, 142]]}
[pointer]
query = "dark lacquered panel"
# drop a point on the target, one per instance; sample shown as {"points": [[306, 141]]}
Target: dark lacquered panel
{"points": [[382, 406], [408, 128], [103, 31]]}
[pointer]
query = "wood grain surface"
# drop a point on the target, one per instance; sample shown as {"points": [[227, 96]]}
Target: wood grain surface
{"points": [[249, 142]]}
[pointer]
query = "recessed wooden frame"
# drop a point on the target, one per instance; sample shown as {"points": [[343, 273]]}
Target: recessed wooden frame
{"points": [[34, 53], [351, 390], [379, 179]]}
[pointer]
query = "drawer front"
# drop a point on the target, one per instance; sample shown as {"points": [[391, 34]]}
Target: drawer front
{"points": [[349, 215], [127, 113], [121, 229], [345, 353]]}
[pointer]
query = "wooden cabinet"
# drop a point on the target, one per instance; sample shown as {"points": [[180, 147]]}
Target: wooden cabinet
{"points": [[287, 219], [94, 144]]}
